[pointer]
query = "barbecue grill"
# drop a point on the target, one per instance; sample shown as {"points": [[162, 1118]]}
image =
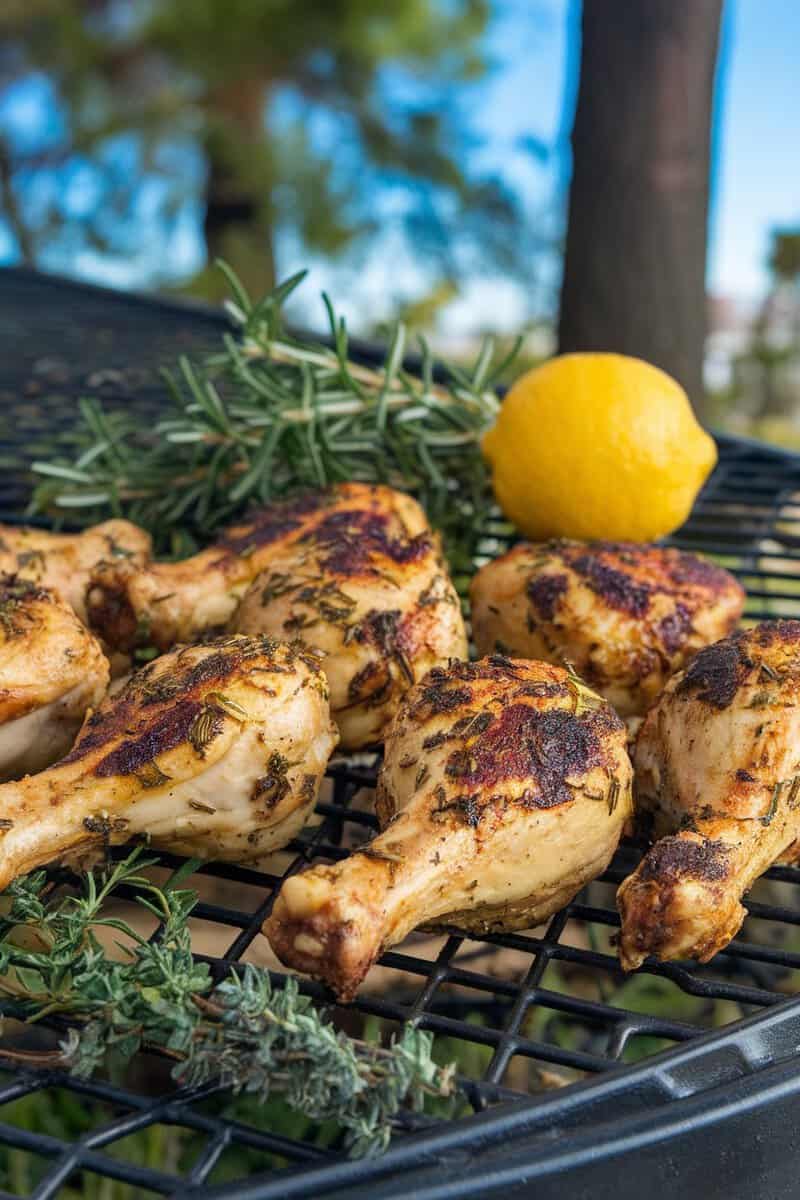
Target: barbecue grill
{"points": [[700, 1090]]}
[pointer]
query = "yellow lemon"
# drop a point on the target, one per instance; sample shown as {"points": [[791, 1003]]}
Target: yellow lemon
{"points": [[597, 446]]}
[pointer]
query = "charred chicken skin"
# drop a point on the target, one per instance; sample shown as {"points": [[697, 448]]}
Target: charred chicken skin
{"points": [[167, 603], [65, 561], [626, 616], [376, 600], [51, 671], [504, 789], [214, 750], [718, 771]]}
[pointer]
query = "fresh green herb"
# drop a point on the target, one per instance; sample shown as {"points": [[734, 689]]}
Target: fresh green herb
{"points": [[585, 699], [794, 788], [204, 728], [613, 794], [773, 804], [254, 1036], [145, 654], [272, 414], [232, 707]]}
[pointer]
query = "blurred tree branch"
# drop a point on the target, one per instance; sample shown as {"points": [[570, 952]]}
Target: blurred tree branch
{"points": [[307, 114], [11, 208]]}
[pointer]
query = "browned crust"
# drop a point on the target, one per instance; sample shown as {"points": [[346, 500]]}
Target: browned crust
{"points": [[545, 592], [656, 919], [346, 953], [716, 673], [336, 965], [156, 709], [273, 522], [355, 527], [523, 742], [676, 858], [627, 577], [163, 733]]}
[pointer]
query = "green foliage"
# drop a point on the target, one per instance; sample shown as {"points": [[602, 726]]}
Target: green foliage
{"points": [[60, 1113], [269, 1039], [305, 113], [784, 257], [256, 1037], [273, 414]]}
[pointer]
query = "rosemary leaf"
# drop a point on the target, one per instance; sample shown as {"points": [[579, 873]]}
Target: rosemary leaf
{"points": [[270, 414]]}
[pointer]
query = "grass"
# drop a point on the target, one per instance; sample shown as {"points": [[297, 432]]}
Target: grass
{"points": [[165, 1148]]}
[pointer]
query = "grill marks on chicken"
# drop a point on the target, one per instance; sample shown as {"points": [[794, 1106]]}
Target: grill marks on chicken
{"points": [[504, 789], [626, 616], [65, 561], [506, 783], [718, 779], [374, 598], [51, 671], [214, 750], [167, 603]]}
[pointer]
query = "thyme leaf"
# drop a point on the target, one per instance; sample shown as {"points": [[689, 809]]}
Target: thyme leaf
{"points": [[253, 1035]]}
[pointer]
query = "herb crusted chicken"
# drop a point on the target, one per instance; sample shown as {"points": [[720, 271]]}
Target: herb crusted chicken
{"points": [[626, 616], [374, 597], [504, 789], [167, 603], [718, 772], [214, 750], [51, 671], [65, 561]]}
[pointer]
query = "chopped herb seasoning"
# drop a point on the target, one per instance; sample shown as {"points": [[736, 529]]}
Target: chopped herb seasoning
{"points": [[205, 727]]}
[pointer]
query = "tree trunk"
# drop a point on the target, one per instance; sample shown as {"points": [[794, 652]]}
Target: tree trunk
{"points": [[238, 221], [237, 227], [634, 272]]}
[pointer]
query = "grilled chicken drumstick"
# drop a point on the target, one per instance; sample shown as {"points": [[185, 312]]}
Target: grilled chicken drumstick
{"points": [[51, 671], [176, 602], [625, 616], [717, 759], [377, 601], [215, 750], [64, 561], [504, 789]]}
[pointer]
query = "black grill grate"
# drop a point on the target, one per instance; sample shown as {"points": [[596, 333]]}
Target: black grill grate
{"points": [[522, 1012]]}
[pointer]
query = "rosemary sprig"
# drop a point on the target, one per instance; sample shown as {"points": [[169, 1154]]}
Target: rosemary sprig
{"points": [[252, 1035], [271, 414]]}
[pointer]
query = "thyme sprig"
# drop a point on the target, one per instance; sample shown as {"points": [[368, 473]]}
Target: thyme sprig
{"points": [[271, 414], [250, 1034]]}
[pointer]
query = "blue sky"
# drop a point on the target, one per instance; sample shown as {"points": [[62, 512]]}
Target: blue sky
{"points": [[757, 169], [533, 45], [756, 178]]}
